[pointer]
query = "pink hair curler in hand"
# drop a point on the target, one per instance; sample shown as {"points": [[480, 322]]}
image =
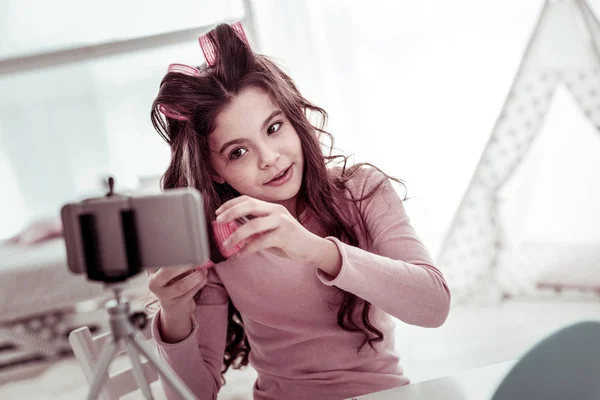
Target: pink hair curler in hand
{"points": [[222, 232], [206, 265]]}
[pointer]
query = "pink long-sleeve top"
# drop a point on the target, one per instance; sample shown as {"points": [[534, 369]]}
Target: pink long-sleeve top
{"points": [[290, 311]]}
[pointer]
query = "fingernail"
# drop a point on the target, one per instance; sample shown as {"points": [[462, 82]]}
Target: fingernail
{"points": [[219, 218]]}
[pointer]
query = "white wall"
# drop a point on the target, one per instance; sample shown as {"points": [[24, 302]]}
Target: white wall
{"points": [[33, 26], [414, 87]]}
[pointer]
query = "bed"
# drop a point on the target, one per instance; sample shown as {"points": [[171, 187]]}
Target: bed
{"points": [[41, 301]]}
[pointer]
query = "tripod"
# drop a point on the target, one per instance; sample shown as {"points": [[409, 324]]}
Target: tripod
{"points": [[123, 328]]}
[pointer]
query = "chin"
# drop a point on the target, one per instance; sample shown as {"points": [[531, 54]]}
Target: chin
{"points": [[287, 195], [284, 196]]}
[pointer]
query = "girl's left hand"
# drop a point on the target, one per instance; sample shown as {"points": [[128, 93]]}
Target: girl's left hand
{"points": [[273, 229]]}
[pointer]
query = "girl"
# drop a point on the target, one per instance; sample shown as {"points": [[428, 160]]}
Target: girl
{"points": [[328, 254]]}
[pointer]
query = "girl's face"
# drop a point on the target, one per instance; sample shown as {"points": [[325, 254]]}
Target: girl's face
{"points": [[252, 145]]}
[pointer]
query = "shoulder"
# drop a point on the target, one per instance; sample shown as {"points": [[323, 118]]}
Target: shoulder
{"points": [[366, 190], [361, 181]]}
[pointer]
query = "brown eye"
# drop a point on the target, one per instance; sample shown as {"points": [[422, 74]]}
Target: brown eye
{"points": [[237, 153], [274, 128]]}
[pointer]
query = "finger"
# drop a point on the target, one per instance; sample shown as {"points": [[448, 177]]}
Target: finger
{"points": [[181, 276], [182, 286], [185, 297], [165, 274], [192, 292], [230, 203], [154, 270], [255, 227], [259, 243], [253, 207]]}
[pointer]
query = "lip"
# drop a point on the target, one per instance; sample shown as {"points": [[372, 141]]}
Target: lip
{"points": [[277, 174]]}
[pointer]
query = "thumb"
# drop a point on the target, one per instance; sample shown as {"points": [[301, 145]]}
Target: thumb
{"points": [[278, 252], [203, 271]]}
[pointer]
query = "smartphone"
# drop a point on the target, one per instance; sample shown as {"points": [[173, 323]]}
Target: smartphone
{"points": [[113, 238]]}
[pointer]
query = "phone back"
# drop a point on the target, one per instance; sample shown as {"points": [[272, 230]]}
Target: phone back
{"points": [[171, 228], [166, 229]]}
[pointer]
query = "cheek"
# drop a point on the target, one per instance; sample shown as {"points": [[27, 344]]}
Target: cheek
{"points": [[237, 174], [299, 152], [238, 177], [244, 184], [293, 142]]}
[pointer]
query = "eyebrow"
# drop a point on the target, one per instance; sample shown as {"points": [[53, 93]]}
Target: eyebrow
{"points": [[264, 125]]}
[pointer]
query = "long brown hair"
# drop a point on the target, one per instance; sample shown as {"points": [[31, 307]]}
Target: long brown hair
{"points": [[197, 100]]}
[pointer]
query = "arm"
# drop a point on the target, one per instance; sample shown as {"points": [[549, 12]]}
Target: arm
{"points": [[398, 275], [197, 359]]}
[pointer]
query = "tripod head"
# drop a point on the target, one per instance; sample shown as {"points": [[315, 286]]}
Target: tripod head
{"points": [[119, 306]]}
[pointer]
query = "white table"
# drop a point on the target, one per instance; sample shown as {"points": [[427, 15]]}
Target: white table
{"points": [[475, 384]]}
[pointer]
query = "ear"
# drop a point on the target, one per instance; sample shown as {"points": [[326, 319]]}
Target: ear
{"points": [[214, 175], [217, 178]]}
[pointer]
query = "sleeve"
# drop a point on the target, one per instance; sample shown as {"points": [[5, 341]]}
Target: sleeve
{"points": [[398, 276], [197, 359]]}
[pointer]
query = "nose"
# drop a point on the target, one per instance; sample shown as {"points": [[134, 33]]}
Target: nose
{"points": [[268, 156]]}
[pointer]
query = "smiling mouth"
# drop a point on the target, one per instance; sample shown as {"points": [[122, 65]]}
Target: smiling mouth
{"points": [[279, 175]]}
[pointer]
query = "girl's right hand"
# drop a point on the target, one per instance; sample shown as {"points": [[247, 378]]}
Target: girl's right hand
{"points": [[175, 288]]}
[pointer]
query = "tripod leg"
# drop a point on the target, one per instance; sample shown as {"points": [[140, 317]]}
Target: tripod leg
{"points": [[101, 373], [138, 371], [165, 371]]}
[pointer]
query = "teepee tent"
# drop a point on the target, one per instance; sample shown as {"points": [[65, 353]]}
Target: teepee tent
{"points": [[563, 52]]}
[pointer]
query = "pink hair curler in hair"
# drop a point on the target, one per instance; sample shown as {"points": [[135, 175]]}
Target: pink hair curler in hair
{"points": [[171, 113], [209, 47], [183, 69], [210, 54]]}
